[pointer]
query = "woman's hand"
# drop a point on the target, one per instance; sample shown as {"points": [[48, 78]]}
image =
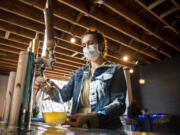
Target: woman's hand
{"points": [[46, 86], [37, 84], [77, 120]]}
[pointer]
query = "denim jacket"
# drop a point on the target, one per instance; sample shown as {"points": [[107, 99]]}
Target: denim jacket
{"points": [[107, 93]]}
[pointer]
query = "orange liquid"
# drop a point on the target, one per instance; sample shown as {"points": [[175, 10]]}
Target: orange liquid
{"points": [[54, 118]]}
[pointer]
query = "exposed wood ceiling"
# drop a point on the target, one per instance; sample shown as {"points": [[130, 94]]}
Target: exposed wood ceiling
{"points": [[146, 31]]}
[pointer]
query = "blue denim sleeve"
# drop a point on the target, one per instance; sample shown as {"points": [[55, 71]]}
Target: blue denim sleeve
{"points": [[117, 96]]}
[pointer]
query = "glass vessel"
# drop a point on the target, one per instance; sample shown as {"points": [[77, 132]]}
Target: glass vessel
{"points": [[53, 109]]}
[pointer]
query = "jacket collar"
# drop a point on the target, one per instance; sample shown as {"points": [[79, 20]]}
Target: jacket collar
{"points": [[104, 64], [107, 67]]}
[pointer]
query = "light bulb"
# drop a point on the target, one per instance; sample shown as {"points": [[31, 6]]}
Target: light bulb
{"points": [[125, 58], [142, 81], [131, 70], [73, 40]]}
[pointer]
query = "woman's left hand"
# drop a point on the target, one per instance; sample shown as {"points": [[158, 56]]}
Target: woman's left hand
{"points": [[77, 120]]}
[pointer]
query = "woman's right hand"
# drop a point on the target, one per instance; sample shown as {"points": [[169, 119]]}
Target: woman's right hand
{"points": [[37, 84], [46, 86]]}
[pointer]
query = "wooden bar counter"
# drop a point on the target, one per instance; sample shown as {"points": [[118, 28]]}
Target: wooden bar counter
{"points": [[44, 129]]}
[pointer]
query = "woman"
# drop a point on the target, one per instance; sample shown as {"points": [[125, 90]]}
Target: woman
{"points": [[98, 90]]}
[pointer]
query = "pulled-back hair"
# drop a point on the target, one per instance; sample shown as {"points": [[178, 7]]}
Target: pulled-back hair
{"points": [[100, 39]]}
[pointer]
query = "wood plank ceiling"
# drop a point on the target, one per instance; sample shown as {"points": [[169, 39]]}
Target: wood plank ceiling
{"points": [[146, 31]]}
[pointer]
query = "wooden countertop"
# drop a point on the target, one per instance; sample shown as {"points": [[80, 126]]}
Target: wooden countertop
{"points": [[44, 129]]}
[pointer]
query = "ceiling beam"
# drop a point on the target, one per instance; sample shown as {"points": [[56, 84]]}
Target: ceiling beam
{"points": [[16, 39], [7, 70], [155, 4], [113, 51], [175, 4], [121, 10], [17, 30], [59, 56], [13, 67], [60, 52], [57, 51], [74, 54], [13, 64], [26, 24], [14, 56], [57, 77], [16, 51], [156, 16], [168, 12], [111, 22], [68, 18]]}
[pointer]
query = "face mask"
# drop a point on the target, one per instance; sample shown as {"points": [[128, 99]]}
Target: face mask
{"points": [[91, 52]]}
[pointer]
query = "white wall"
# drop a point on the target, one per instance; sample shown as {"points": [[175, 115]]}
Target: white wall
{"points": [[3, 88]]}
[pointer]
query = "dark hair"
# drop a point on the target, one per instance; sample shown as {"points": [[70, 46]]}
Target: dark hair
{"points": [[99, 37]]}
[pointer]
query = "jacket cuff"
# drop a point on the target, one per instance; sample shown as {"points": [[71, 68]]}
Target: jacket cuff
{"points": [[92, 121]]}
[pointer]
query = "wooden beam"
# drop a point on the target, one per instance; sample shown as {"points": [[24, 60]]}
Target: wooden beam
{"points": [[9, 49], [3, 54], [110, 53], [14, 57], [107, 20], [19, 47], [57, 63], [168, 12], [13, 65], [6, 70], [58, 73], [27, 34], [52, 76], [8, 55], [21, 22], [78, 17], [58, 52], [7, 63], [60, 15], [64, 45], [19, 39], [24, 25], [156, 16], [13, 44], [175, 4], [17, 30], [82, 58], [74, 54], [18, 44], [16, 51], [155, 4], [120, 9]]}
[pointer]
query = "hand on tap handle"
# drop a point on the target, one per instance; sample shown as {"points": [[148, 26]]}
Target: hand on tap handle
{"points": [[46, 86], [37, 85]]}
